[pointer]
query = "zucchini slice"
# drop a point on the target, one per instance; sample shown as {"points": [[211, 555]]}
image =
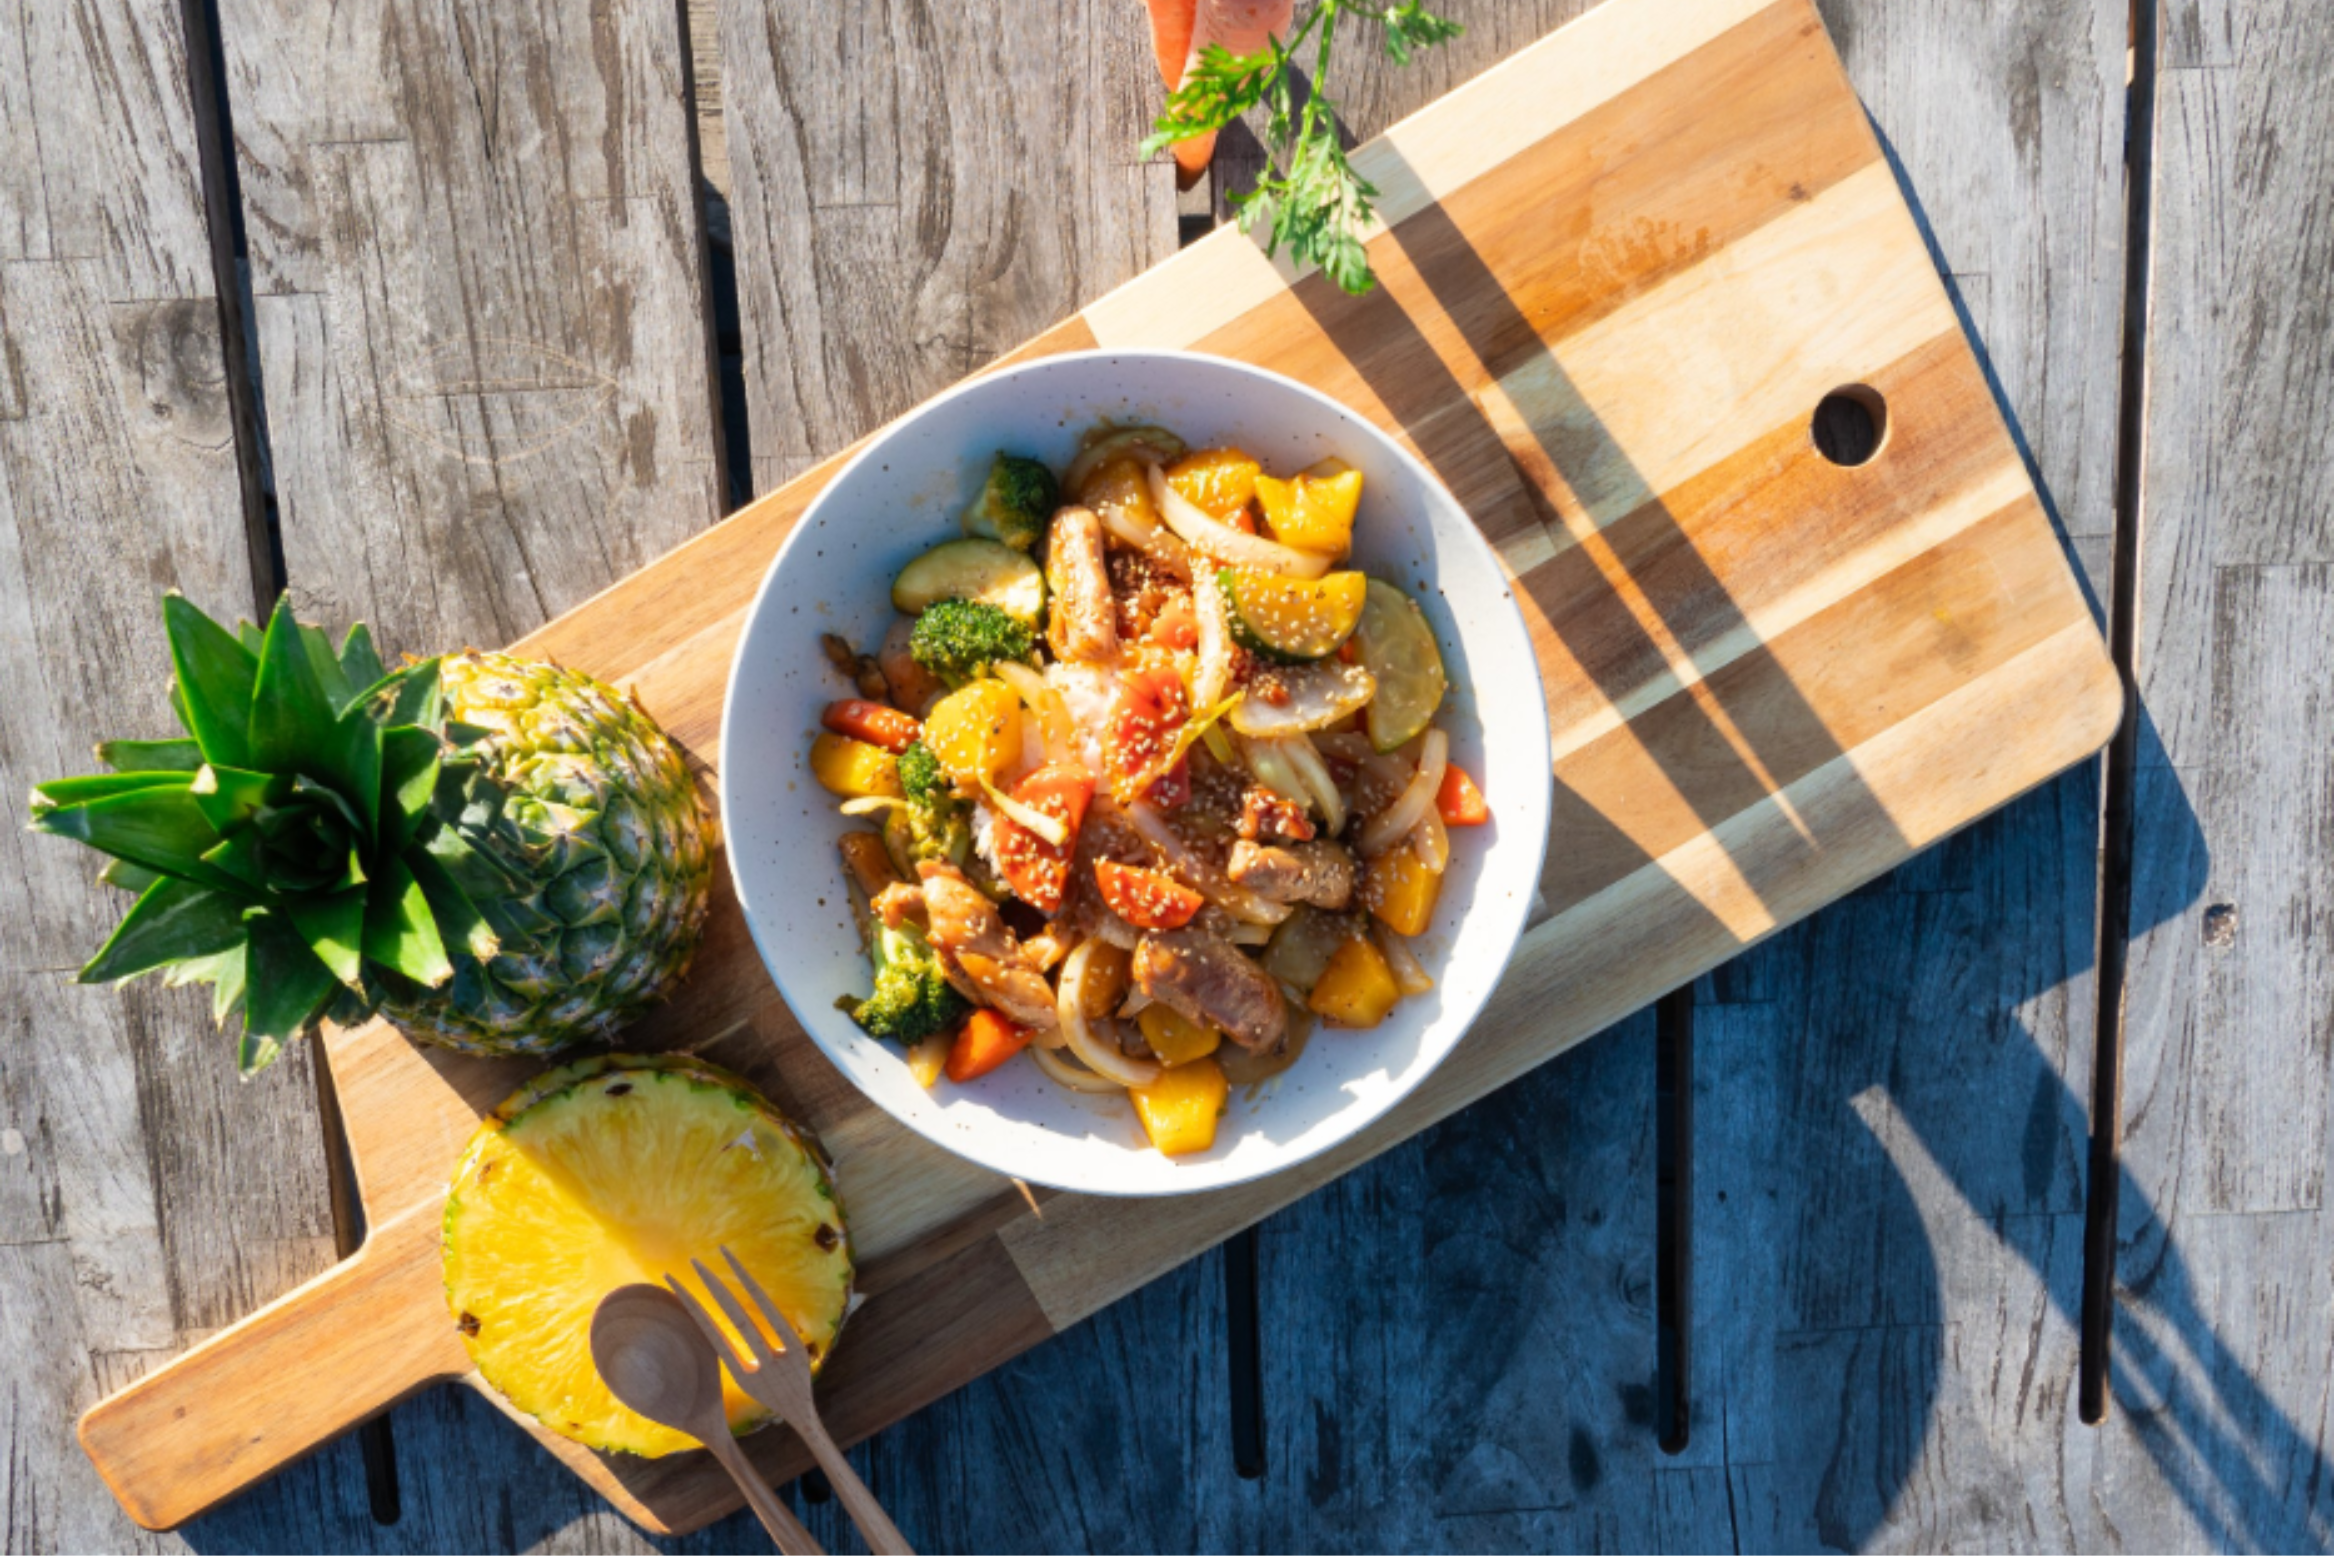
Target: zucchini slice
{"points": [[1293, 619], [972, 570], [1397, 646]]}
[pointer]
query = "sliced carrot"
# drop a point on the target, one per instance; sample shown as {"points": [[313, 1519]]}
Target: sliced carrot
{"points": [[1145, 898], [987, 1041], [872, 722], [1458, 801], [1036, 869]]}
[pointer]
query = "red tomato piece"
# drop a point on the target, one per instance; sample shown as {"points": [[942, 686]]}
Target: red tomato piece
{"points": [[859, 719], [1145, 898], [1152, 708], [1036, 869], [1458, 801]]}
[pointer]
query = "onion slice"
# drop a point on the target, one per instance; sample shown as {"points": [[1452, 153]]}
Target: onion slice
{"points": [[1409, 975], [872, 804], [1102, 1058], [1212, 675], [1215, 538], [1210, 882], [1431, 841], [1155, 542], [1396, 821], [1063, 1072], [1051, 828]]}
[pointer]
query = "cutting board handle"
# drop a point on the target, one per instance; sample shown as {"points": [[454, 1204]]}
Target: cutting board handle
{"points": [[295, 1374]]}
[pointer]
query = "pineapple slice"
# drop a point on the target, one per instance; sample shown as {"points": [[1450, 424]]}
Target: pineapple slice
{"points": [[621, 1169]]}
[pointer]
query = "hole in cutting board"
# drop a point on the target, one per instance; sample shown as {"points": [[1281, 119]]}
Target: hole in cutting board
{"points": [[1850, 425]]}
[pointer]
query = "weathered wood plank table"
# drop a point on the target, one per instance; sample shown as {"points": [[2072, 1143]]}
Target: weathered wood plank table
{"points": [[448, 315]]}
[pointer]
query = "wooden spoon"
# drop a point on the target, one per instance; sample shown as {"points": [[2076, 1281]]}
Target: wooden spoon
{"points": [[654, 1361]]}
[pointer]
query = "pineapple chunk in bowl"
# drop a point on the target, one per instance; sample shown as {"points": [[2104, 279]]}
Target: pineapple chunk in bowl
{"points": [[903, 494]]}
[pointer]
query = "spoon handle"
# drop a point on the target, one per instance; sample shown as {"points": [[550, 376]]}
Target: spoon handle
{"points": [[785, 1529]]}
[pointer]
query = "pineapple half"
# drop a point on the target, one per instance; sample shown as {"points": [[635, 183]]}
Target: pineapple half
{"points": [[502, 856], [621, 1169]]}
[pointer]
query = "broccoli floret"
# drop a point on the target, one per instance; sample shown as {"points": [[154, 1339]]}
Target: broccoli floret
{"points": [[958, 639], [912, 998], [934, 824], [920, 775], [1015, 503]]}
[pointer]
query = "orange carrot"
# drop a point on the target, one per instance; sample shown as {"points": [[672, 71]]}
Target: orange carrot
{"points": [[987, 1041], [1182, 29], [1458, 801], [872, 722]]}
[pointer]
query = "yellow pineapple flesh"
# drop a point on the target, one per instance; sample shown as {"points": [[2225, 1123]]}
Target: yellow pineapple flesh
{"points": [[623, 1169]]}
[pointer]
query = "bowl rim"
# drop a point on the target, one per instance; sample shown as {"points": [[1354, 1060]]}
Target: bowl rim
{"points": [[1463, 1017]]}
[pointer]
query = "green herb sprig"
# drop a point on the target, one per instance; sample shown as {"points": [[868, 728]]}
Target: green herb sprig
{"points": [[1309, 197]]}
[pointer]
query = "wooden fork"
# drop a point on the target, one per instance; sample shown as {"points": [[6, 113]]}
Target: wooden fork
{"points": [[780, 1380]]}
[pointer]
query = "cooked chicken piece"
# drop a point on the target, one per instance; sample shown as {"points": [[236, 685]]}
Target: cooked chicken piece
{"points": [[1083, 622], [1204, 979], [973, 940], [1320, 873], [898, 903], [1266, 817]]}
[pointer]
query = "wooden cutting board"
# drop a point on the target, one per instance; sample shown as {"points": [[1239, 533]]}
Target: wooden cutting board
{"points": [[1620, 273]]}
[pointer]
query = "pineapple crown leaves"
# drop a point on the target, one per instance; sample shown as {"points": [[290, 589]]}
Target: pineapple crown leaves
{"points": [[301, 840]]}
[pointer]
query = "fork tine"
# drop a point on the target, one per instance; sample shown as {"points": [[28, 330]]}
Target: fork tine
{"points": [[712, 1331], [792, 1341], [757, 1341]]}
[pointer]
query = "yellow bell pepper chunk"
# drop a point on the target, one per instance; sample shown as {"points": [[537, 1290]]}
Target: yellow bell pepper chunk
{"points": [[1400, 890], [975, 731], [1179, 1110], [1217, 481], [853, 768], [1314, 510], [1175, 1037], [1357, 988]]}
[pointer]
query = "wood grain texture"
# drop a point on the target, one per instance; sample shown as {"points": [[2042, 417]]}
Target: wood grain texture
{"points": [[2221, 1334], [917, 189], [132, 1217], [480, 304], [1802, 771]]}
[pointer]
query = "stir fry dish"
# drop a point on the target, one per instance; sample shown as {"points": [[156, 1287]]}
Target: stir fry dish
{"points": [[1154, 778]]}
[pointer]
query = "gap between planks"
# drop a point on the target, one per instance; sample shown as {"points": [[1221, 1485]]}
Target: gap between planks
{"points": [[2116, 842]]}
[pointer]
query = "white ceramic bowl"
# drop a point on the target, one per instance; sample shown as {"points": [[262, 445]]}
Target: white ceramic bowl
{"points": [[834, 575]]}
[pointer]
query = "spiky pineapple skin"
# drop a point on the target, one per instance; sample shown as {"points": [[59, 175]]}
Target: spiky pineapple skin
{"points": [[618, 848]]}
